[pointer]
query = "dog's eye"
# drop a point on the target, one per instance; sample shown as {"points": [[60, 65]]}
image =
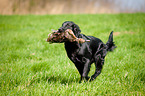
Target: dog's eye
{"points": [[68, 25], [72, 26]]}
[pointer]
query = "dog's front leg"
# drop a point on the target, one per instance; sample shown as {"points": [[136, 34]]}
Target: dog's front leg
{"points": [[86, 69], [99, 62]]}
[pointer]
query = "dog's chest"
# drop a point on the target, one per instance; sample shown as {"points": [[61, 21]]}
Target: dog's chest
{"points": [[78, 53]]}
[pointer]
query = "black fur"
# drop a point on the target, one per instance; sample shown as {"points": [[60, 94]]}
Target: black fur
{"points": [[83, 55]]}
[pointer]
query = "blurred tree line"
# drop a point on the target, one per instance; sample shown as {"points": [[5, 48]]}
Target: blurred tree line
{"points": [[70, 6]]}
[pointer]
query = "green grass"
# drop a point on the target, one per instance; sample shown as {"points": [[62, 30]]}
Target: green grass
{"points": [[31, 66]]}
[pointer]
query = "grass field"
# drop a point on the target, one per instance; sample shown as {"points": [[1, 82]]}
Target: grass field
{"points": [[31, 66]]}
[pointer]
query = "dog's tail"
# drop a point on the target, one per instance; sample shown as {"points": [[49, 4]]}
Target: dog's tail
{"points": [[110, 44]]}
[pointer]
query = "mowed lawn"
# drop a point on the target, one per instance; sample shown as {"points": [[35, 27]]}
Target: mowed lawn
{"points": [[31, 66]]}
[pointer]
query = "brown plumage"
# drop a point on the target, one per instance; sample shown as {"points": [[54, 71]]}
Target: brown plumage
{"points": [[67, 35]]}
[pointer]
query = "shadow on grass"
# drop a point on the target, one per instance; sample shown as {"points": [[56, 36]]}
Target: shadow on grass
{"points": [[62, 80], [53, 79]]}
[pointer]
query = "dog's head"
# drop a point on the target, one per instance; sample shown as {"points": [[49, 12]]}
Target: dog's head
{"points": [[70, 25], [67, 33]]}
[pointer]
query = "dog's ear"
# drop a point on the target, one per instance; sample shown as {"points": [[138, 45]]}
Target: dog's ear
{"points": [[76, 30]]}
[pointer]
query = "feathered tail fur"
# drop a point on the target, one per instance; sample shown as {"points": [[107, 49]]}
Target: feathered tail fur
{"points": [[110, 44]]}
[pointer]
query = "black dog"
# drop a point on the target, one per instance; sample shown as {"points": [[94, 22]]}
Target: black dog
{"points": [[84, 54]]}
